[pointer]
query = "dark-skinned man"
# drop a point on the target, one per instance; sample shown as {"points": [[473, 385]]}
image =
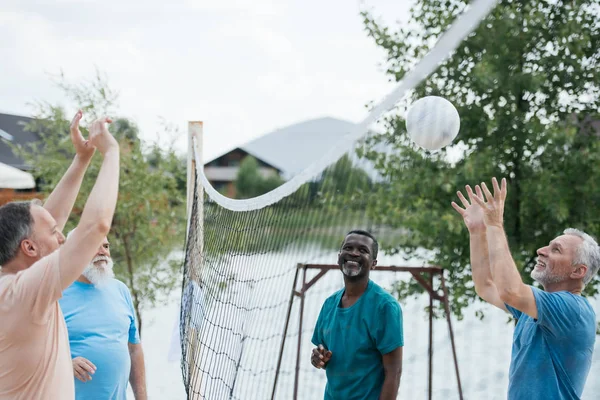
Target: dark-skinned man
{"points": [[359, 334]]}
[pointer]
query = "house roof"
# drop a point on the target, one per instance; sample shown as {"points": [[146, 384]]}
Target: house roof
{"points": [[12, 130], [14, 178], [293, 148]]}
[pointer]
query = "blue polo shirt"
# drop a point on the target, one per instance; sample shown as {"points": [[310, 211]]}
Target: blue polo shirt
{"points": [[358, 336], [101, 322], [552, 355]]}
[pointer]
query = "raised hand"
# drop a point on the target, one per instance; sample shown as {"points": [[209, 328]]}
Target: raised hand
{"points": [[320, 357], [83, 369], [493, 208], [472, 212], [100, 137], [83, 148]]}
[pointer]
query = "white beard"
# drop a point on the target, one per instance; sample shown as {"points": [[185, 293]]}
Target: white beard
{"points": [[99, 275], [351, 272]]}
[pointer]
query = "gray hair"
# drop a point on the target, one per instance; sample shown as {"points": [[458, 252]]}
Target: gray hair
{"points": [[16, 225], [588, 253]]}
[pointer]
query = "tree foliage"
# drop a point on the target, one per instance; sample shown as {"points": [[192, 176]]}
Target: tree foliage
{"points": [[149, 222], [526, 86], [250, 182]]}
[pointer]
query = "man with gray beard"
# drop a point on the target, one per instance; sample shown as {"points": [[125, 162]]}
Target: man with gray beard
{"points": [[105, 344], [556, 329], [359, 334]]}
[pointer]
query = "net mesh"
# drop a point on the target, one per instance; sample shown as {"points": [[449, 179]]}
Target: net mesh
{"points": [[240, 273]]}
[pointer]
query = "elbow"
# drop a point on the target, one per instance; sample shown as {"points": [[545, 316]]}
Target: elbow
{"points": [[98, 227], [508, 295], [103, 227]]}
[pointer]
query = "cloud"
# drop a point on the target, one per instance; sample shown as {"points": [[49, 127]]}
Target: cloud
{"points": [[244, 67]]}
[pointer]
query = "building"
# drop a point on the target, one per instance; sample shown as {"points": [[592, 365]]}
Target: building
{"points": [[15, 182], [286, 151]]}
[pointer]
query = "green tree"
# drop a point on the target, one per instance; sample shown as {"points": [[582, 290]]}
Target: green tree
{"points": [[251, 183], [149, 222], [524, 84], [345, 183]]}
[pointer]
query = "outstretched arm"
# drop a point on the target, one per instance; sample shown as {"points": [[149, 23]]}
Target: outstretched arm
{"points": [[506, 277], [99, 209], [480, 263], [60, 202]]}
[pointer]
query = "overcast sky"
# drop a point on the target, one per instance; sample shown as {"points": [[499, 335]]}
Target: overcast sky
{"points": [[244, 67]]}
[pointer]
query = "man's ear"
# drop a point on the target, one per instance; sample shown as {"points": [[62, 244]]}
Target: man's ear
{"points": [[579, 272], [374, 264], [29, 248]]}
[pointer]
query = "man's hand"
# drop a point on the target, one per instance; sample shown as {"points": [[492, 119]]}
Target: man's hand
{"points": [[320, 357], [83, 148], [100, 137], [472, 214], [493, 209], [83, 369]]}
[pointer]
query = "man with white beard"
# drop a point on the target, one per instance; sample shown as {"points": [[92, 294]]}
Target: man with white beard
{"points": [[554, 337], [105, 344]]}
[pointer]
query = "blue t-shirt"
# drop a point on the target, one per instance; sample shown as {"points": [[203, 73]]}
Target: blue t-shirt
{"points": [[551, 356], [101, 321], [358, 336]]}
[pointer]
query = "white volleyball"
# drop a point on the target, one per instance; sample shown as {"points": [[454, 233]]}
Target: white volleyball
{"points": [[432, 122]]}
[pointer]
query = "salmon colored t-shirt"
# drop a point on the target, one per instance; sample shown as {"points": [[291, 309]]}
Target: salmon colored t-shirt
{"points": [[35, 360]]}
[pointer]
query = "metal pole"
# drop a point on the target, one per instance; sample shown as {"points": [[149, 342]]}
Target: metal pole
{"points": [[447, 309], [430, 338], [285, 329], [296, 379]]}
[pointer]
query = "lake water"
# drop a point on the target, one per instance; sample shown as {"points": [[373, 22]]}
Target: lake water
{"points": [[483, 348]]}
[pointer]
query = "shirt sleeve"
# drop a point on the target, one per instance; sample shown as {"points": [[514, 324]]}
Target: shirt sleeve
{"points": [[514, 312], [317, 337], [557, 312], [38, 288], [134, 336], [389, 333]]}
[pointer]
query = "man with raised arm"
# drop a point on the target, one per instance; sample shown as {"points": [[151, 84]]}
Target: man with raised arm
{"points": [[554, 337], [38, 264], [358, 335]]}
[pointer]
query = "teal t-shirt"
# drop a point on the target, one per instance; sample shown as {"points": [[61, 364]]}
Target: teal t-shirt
{"points": [[358, 336], [552, 355], [101, 321]]}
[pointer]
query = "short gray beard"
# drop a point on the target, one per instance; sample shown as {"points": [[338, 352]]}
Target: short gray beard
{"points": [[351, 272], [544, 277], [99, 275]]}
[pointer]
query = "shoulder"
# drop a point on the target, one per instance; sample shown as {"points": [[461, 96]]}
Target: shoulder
{"points": [[564, 303], [383, 298], [560, 300], [116, 284], [333, 300]]}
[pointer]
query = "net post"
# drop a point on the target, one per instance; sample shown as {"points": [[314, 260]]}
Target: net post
{"points": [[430, 377], [195, 141], [195, 132], [451, 332], [285, 329], [302, 295]]}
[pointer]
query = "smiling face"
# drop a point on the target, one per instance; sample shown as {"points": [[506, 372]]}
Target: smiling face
{"points": [[100, 268], [356, 256], [555, 262]]}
